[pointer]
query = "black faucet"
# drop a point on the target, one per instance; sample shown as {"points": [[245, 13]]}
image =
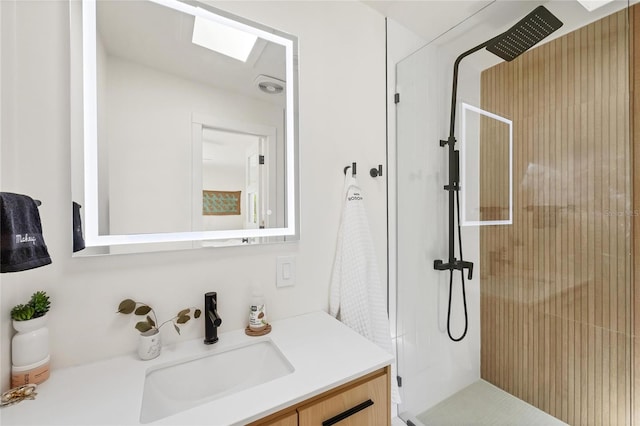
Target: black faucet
{"points": [[211, 318]]}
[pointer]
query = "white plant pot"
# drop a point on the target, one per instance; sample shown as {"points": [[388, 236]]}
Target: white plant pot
{"points": [[149, 344], [30, 345], [30, 352]]}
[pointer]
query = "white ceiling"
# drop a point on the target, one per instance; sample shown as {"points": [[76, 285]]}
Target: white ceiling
{"points": [[458, 25], [160, 38], [428, 18]]}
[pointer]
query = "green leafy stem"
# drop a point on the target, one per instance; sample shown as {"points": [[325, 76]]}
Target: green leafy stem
{"points": [[129, 306]]}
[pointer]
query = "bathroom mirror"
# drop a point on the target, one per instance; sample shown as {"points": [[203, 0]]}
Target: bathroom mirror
{"points": [[189, 124]]}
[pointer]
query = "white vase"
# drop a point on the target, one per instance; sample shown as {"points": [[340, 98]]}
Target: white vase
{"points": [[30, 351], [31, 342], [149, 344]]}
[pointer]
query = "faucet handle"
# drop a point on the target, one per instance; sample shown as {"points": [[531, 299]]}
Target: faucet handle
{"points": [[215, 319], [212, 319]]}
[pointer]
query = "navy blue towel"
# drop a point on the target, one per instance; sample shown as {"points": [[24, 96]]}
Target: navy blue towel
{"points": [[22, 246], [78, 239]]}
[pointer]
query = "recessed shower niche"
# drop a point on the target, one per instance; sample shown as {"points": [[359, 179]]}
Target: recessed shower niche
{"points": [[485, 135]]}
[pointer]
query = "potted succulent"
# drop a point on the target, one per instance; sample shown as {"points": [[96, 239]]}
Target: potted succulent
{"points": [[37, 307], [30, 345], [149, 343]]}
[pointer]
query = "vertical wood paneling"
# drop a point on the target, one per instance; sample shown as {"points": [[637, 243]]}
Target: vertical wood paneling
{"points": [[634, 70], [635, 113], [556, 289]]}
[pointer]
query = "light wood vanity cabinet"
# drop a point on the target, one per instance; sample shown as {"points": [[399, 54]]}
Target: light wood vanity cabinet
{"points": [[289, 419], [363, 402]]}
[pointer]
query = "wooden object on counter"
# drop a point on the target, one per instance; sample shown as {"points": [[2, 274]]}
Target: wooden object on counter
{"points": [[249, 332]]}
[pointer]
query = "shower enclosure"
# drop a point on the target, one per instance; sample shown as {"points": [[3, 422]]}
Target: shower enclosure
{"points": [[551, 304]]}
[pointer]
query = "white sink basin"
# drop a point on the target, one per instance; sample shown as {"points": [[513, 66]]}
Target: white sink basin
{"points": [[172, 388]]}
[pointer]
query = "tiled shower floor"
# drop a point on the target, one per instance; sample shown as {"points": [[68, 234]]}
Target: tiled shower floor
{"points": [[482, 404]]}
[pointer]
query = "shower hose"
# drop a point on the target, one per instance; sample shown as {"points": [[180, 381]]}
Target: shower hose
{"points": [[464, 296]]}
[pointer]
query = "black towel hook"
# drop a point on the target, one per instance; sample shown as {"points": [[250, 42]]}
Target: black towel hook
{"points": [[38, 202], [376, 172], [353, 169]]}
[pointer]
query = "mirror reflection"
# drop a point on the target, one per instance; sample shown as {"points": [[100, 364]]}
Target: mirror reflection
{"points": [[193, 134]]}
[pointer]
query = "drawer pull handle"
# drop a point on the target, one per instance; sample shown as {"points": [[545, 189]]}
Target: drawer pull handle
{"points": [[348, 413]]}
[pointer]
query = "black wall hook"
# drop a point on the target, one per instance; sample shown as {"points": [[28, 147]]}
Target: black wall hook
{"points": [[376, 172], [353, 169]]}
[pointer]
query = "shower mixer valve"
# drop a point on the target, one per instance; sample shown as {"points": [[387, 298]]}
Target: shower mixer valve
{"points": [[459, 265]]}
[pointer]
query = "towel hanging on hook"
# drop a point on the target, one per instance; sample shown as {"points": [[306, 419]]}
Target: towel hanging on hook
{"points": [[357, 295], [23, 245]]}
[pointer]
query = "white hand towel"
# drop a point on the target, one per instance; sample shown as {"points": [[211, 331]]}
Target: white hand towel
{"points": [[357, 297]]}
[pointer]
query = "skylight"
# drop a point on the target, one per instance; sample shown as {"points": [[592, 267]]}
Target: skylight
{"points": [[223, 39]]}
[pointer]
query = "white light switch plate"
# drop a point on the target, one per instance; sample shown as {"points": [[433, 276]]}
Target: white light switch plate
{"points": [[285, 271]]}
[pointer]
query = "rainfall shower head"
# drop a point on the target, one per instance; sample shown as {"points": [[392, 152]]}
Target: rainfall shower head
{"points": [[530, 30], [512, 43]]}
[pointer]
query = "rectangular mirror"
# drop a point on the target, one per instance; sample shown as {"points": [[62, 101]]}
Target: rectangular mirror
{"points": [[189, 127]]}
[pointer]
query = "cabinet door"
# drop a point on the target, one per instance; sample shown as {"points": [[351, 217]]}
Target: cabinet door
{"points": [[366, 404], [289, 419]]}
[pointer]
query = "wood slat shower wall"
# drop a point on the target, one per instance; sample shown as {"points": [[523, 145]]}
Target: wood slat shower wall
{"points": [[556, 294], [634, 19]]}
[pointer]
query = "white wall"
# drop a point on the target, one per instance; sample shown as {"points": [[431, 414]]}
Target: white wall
{"points": [[148, 109], [431, 365], [342, 119]]}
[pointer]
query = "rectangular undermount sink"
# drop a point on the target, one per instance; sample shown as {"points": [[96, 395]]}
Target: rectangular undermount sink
{"points": [[170, 389]]}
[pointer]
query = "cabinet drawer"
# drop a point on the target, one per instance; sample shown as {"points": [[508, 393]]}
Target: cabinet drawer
{"points": [[364, 404]]}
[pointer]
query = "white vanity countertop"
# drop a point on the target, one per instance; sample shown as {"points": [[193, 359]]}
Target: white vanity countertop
{"points": [[324, 352]]}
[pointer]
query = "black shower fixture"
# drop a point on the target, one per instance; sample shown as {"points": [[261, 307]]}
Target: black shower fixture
{"points": [[528, 32], [524, 35]]}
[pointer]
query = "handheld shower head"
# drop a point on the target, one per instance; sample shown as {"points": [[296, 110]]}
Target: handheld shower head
{"points": [[528, 32]]}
